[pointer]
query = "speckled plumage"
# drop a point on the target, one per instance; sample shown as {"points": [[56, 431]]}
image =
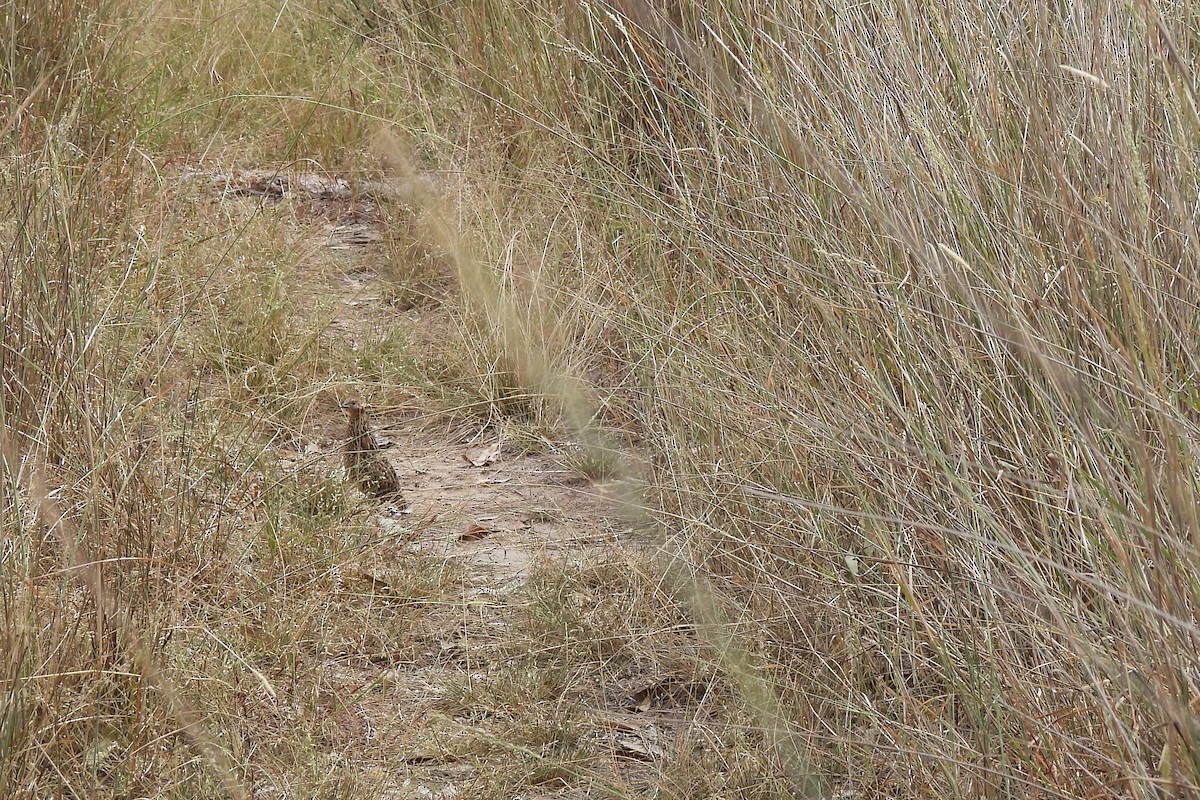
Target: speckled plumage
{"points": [[364, 459]]}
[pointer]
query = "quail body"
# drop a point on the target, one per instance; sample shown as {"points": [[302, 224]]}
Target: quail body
{"points": [[364, 459]]}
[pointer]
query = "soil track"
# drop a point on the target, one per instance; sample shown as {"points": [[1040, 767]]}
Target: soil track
{"points": [[491, 517]]}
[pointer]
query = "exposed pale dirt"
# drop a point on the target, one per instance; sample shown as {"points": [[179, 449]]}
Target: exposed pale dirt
{"points": [[486, 513]]}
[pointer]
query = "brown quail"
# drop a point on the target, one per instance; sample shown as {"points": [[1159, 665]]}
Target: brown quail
{"points": [[364, 459]]}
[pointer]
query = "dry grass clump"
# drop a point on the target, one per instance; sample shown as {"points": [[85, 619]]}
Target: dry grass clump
{"points": [[81, 521], [251, 84], [170, 587], [903, 302]]}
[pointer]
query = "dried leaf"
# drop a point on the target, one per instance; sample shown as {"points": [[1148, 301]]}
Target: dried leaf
{"points": [[482, 456], [475, 532], [642, 745]]}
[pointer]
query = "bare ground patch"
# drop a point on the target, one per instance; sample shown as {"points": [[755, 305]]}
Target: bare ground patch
{"points": [[533, 662]]}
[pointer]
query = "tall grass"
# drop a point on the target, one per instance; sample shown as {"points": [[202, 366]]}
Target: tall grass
{"points": [[900, 301], [97, 503], [162, 570], [897, 303]]}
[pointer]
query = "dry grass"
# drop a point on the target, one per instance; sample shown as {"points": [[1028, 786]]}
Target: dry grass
{"points": [[902, 306], [891, 310]]}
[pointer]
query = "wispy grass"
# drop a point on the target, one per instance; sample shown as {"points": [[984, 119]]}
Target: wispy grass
{"points": [[161, 564], [903, 301]]}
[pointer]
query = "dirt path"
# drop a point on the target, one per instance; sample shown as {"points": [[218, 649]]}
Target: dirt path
{"points": [[506, 686]]}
